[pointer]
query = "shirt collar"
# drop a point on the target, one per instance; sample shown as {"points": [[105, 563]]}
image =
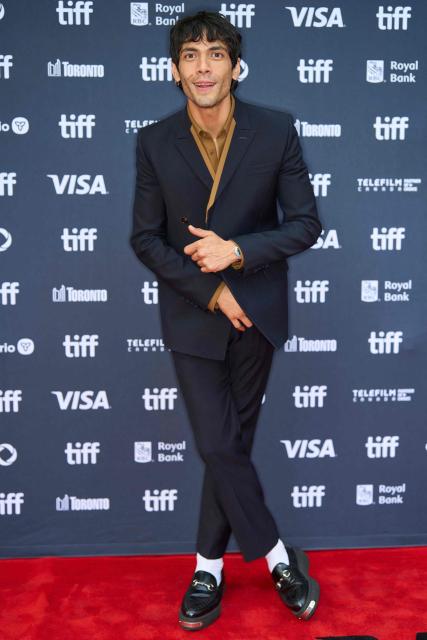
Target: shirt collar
{"points": [[199, 128]]}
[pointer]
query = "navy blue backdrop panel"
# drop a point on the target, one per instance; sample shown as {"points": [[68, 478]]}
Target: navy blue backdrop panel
{"points": [[96, 451]]}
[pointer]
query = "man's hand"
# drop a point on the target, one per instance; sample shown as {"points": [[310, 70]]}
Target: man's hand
{"points": [[231, 308], [211, 252]]}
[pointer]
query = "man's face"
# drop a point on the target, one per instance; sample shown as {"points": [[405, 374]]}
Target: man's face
{"points": [[205, 71]]}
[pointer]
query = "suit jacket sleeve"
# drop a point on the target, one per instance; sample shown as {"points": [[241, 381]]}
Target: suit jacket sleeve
{"points": [[301, 226], [148, 239]]}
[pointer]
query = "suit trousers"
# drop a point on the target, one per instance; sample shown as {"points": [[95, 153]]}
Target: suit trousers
{"points": [[223, 400]]}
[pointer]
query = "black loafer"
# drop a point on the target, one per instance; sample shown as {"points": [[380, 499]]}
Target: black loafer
{"points": [[297, 589], [201, 604]]}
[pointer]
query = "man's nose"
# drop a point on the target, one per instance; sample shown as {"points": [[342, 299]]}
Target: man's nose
{"points": [[203, 64]]}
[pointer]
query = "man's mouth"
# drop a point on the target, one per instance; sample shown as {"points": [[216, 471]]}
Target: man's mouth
{"points": [[204, 85]]}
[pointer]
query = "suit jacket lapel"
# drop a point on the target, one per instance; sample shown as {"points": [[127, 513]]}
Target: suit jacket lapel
{"points": [[240, 142]]}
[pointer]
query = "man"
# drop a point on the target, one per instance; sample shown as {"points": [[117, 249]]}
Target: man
{"points": [[205, 222]]}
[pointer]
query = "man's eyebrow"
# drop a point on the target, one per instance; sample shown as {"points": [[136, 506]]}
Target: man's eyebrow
{"points": [[213, 48]]}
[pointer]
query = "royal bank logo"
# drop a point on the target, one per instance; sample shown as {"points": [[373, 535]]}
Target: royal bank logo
{"points": [[72, 503], [391, 127], [327, 240], [397, 72], [304, 345], [65, 69], [145, 345], [382, 395], [392, 291], [387, 494], [405, 185], [393, 18], [7, 182], [166, 14], [18, 125], [240, 15], [317, 17], [166, 451], [310, 130], [8, 454], [160, 499], [74, 13], [24, 347], [315, 71], [150, 293], [70, 294]]}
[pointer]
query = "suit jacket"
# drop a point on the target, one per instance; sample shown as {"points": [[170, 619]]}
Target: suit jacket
{"points": [[264, 165]]}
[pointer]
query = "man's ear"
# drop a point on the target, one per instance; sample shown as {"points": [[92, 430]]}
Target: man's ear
{"points": [[236, 70], [175, 72]]}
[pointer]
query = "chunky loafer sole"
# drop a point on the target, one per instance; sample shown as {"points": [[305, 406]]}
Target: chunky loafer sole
{"points": [[194, 623], [310, 605]]}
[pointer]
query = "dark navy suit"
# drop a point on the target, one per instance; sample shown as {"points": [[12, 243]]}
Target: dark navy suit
{"points": [[223, 372]]}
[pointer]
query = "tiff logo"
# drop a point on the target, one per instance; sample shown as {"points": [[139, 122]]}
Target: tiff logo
{"points": [[239, 15], [7, 180], [393, 19], [5, 65], [9, 400], [157, 70], [160, 399], [385, 342], [383, 447], [388, 239], [311, 291], [77, 126], [76, 15], [320, 183], [8, 292], [314, 70], [150, 292], [157, 500], [391, 128], [311, 496], [80, 346], [79, 239], [10, 503], [85, 453], [309, 397]]}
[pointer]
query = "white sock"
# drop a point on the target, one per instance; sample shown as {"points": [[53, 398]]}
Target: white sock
{"points": [[277, 554], [213, 566]]}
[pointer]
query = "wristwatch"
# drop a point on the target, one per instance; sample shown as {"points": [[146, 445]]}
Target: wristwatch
{"points": [[237, 251]]}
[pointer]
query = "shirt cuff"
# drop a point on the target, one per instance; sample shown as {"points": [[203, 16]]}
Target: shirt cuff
{"points": [[212, 302]]}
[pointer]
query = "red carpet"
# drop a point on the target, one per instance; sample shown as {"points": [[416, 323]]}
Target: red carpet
{"points": [[376, 593]]}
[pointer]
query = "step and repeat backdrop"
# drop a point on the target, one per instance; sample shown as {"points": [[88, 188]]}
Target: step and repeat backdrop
{"points": [[96, 451]]}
